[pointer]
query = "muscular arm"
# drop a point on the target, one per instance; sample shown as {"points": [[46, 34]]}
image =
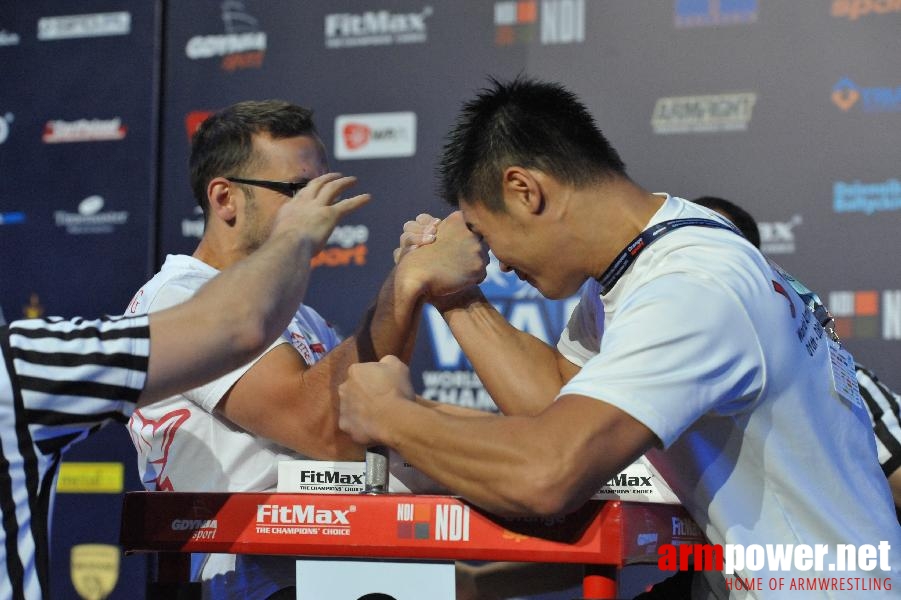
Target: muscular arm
{"points": [[544, 464], [295, 405], [521, 373]]}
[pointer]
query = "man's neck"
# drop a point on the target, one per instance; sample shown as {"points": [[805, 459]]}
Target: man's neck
{"points": [[217, 252], [615, 212]]}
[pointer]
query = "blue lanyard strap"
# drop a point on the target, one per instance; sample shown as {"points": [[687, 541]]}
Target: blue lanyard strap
{"points": [[644, 239]]}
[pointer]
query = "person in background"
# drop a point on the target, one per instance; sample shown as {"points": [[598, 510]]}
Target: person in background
{"points": [[246, 161], [62, 380], [695, 363]]}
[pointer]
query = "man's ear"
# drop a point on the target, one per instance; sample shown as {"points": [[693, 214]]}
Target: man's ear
{"points": [[523, 189], [223, 203]]}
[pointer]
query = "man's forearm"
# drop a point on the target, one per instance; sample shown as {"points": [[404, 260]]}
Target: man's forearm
{"points": [[390, 326], [273, 281], [519, 371]]}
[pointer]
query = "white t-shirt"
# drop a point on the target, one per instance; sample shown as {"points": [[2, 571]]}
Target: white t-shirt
{"points": [[705, 344], [184, 445]]}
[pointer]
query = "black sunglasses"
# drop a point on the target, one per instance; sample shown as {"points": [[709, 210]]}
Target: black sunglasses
{"points": [[288, 188]]}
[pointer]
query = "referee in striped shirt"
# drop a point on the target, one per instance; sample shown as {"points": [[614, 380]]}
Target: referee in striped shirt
{"points": [[884, 407], [61, 380]]}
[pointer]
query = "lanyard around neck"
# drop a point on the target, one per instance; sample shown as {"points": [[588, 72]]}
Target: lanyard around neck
{"points": [[644, 239]]}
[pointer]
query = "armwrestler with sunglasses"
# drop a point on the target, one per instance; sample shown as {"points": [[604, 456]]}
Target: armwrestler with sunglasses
{"points": [[229, 436]]}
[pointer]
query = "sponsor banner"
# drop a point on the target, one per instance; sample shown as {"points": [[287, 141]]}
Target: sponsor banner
{"points": [[376, 28], [192, 227], [709, 13], [703, 114], [13, 217], [242, 46], [347, 477], [866, 314], [83, 130], [84, 26], [778, 237], [91, 478], [866, 198], [639, 482], [552, 22], [346, 246], [854, 9], [90, 218], [375, 135], [394, 526], [847, 95], [9, 38], [321, 476]]}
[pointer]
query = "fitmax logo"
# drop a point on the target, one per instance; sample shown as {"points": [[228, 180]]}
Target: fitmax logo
{"points": [[312, 476], [300, 514]]}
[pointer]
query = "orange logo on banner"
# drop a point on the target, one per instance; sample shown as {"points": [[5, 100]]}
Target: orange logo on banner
{"points": [[845, 98]]}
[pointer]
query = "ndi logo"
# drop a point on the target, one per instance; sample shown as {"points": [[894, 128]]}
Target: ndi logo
{"points": [[866, 313], [846, 95], [560, 22]]}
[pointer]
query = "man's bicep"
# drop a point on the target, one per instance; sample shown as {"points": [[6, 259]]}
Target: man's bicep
{"points": [[269, 388]]}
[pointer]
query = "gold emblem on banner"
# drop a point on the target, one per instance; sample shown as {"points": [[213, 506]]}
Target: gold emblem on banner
{"points": [[94, 569]]}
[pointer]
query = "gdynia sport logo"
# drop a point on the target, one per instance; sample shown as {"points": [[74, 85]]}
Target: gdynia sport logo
{"points": [[741, 565]]}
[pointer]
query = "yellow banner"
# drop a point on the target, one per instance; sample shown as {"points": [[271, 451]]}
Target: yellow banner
{"points": [[91, 478]]}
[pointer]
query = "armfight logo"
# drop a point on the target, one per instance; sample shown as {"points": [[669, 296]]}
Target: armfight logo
{"points": [[557, 22], [242, 46], [703, 114], [453, 381]]}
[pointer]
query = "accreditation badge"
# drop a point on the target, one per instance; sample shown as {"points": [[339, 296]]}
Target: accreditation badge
{"points": [[844, 379]]}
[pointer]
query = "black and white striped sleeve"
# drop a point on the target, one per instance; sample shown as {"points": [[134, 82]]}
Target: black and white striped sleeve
{"points": [[74, 375], [884, 407]]}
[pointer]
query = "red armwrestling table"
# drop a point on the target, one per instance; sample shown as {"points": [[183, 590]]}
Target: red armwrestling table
{"points": [[603, 535]]}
